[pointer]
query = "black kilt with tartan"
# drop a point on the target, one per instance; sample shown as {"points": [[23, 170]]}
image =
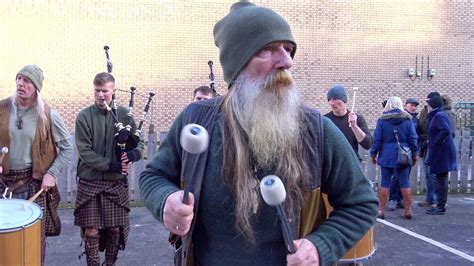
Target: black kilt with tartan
{"points": [[50, 222], [101, 204]]}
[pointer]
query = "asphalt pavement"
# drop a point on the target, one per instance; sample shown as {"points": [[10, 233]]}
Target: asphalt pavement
{"points": [[424, 240]]}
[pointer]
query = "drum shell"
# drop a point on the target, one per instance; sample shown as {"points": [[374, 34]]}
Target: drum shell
{"points": [[363, 249], [21, 245]]}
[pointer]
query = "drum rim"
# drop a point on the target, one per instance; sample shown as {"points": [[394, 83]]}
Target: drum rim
{"points": [[18, 228]]}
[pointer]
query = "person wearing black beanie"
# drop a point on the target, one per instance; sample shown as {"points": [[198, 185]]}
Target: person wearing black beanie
{"points": [[435, 101], [441, 150], [259, 127]]}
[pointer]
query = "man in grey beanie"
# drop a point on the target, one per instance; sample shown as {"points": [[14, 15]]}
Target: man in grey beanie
{"points": [[352, 125], [259, 128], [39, 147]]}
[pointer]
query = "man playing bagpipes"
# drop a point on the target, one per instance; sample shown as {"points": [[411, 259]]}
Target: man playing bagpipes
{"points": [[105, 149]]}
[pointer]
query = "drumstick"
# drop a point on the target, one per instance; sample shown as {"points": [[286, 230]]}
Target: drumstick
{"points": [[2, 154], [36, 195], [353, 100]]}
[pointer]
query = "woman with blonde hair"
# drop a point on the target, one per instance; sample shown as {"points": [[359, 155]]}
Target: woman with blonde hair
{"points": [[394, 123]]}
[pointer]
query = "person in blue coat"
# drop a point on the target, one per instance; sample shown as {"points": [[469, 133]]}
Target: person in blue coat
{"points": [[384, 152], [441, 150]]}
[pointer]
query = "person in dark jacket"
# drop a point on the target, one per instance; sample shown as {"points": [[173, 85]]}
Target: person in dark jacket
{"points": [[441, 150], [394, 123]]}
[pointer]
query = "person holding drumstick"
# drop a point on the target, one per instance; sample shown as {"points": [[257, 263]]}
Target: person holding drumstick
{"points": [[352, 125], [38, 147], [259, 127]]}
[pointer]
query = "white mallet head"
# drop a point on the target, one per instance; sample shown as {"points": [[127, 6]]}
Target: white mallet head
{"points": [[194, 138], [273, 191], [2, 154]]}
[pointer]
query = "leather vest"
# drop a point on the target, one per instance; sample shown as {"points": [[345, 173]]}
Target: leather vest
{"points": [[43, 151]]}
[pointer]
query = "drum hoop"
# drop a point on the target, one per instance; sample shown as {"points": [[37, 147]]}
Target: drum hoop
{"points": [[21, 227]]}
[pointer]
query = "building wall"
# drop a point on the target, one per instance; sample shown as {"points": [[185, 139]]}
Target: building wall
{"points": [[164, 46]]}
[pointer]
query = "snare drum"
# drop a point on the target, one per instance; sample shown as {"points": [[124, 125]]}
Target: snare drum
{"points": [[20, 232], [363, 249]]}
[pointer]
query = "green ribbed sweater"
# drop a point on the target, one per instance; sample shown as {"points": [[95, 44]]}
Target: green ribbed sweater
{"points": [[215, 239]]}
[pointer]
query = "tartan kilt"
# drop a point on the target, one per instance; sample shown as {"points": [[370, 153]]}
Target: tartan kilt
{"points": [[101, 204]]}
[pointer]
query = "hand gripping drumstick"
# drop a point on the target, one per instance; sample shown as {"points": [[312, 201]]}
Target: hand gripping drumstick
{"points": [[274, 194], [2, 155], [353, 100], [194, 139]]}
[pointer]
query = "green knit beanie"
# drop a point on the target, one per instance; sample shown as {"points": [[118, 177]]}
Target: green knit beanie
{"points": [[245, 31], [34, 73]]}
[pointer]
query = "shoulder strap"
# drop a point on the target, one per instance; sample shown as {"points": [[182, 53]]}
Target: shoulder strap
{"points": [[396, 135], [193, 165]]}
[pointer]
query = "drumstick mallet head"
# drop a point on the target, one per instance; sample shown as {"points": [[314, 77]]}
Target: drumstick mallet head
{"points": [[2, 154], [194, 139], [274, 194]]}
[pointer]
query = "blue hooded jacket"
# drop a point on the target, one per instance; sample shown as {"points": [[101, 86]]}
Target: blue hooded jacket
{"points": [[385, 143]]}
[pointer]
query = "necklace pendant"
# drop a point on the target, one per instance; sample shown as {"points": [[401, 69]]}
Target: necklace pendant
{"points": [[19, 123]]}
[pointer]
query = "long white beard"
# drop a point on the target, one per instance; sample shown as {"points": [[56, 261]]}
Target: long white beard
{"points": [[269, 112]]}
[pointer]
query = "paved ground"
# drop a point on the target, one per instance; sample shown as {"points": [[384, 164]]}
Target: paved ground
{"points": [[425, 240]]}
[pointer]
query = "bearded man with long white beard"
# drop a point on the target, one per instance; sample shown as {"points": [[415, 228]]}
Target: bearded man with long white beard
{"points": [[260, 127]]}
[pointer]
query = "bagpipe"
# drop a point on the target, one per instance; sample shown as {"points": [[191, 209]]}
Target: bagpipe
{"points": [[127, 141], [211, 78]]}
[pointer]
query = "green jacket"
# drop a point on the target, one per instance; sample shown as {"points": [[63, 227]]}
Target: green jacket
{"points": [[95, 142], [349, 191]]}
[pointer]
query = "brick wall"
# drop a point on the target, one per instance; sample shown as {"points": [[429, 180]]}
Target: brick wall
{"points": [[164, 47]]}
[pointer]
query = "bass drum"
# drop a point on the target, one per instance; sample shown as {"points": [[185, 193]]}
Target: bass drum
{"points": [[20, 232]]}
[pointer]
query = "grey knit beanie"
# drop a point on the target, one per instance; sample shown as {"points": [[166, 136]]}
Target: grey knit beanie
{"points": [[245, 31], [337, 92], [34, 73]]}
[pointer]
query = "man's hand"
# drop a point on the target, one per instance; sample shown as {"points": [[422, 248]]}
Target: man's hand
{"points": [[124, 166], [49, 181], [413, 160], [352, 119], [306, 253], [374, 160], [177, 216], [131, 156]]}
